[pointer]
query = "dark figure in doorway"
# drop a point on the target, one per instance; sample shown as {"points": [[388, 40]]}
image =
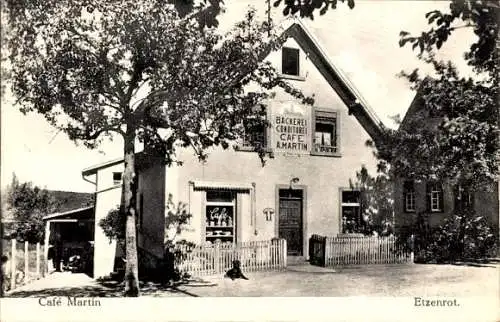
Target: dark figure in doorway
{"points": [[57, 253], [235, 272], [4, 275]]}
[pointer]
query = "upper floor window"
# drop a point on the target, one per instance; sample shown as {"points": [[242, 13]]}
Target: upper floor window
{"points": [[435, 197], [409, 196], [117, 177], [254, 136], [325, 132], [290, 61]]}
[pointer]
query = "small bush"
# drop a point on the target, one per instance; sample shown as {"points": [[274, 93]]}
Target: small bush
{"points": [[113, 225]]}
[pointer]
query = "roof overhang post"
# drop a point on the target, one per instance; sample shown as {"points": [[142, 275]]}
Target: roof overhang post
{"points": [[46, 247]]}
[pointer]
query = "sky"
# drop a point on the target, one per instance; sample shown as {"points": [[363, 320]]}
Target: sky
{"points": [[362, 42]]}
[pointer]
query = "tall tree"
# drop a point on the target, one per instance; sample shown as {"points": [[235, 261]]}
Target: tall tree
{"points": [[27, 204], [141, 71]]}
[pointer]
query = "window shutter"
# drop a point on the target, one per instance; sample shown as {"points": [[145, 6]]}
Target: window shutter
{"points": [[441, 199], [457, 197], [406, 189], [428, 195]]}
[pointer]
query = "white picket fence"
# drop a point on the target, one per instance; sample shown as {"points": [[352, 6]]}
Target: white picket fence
{"points": [[340, 251], [202, 260], [26, 263]]}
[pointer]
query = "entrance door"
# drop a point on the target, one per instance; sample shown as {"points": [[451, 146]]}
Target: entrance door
{"points": [[290, 220]]}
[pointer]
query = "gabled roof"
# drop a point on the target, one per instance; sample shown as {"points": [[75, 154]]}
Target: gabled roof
{"points": [[336, 79], [93, 169], [142, 160], [417, 110]]}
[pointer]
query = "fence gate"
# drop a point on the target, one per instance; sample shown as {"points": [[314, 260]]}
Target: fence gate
{"points": [[317, 247]]}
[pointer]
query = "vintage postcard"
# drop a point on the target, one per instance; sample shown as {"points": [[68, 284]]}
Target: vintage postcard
{"points": [[209, 160]]}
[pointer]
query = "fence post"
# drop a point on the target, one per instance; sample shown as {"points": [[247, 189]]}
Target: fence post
{"points": [[284, 253], [26, 262], [217, 257], [13, 264], [38, 260], [412, 248]]}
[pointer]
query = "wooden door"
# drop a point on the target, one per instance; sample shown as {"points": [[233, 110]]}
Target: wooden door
{"points": [[290, 224]]}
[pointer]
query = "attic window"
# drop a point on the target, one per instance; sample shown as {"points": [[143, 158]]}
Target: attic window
{"points": [[290, 61], [117, 177]]}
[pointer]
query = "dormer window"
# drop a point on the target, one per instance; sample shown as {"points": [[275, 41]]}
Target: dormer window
{"points": [[290, 61]]}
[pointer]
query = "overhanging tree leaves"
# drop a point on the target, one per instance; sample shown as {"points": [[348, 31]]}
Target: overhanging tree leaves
{"points": [[463, 146], [139, 70], [306, 8]]}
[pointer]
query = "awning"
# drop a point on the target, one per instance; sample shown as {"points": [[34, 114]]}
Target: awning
{"points": [[203, 185]]}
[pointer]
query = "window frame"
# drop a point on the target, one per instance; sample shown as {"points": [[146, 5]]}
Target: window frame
{"points": [[348, 204], [117, 181], [233, 203], [296, 52], [409, 192], [245, 146], [334, 116], [435, 188]]}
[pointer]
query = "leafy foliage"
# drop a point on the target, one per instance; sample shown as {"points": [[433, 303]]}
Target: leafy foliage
{"points": [[84, 69], [481, 16], [113, 225], [177, 217], [306, 8], [377, 203], [153, 71], [463, 236], [457, 138], [28, 204]]}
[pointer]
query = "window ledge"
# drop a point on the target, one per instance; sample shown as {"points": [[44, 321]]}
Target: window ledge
{"points": [[251, 149], [327, 154], [293, 77]]}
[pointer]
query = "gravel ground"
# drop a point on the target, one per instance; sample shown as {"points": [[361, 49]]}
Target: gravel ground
{"points": [[373, 280], [302, 280]]}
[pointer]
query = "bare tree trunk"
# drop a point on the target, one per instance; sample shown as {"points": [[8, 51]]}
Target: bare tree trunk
{"points": [[129, 210]]}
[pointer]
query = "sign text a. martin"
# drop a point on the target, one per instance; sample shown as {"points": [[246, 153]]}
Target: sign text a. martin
{"points": [[291, 127]]}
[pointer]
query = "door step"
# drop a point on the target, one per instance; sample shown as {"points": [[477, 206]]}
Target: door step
{"points": [[295, 260]]}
